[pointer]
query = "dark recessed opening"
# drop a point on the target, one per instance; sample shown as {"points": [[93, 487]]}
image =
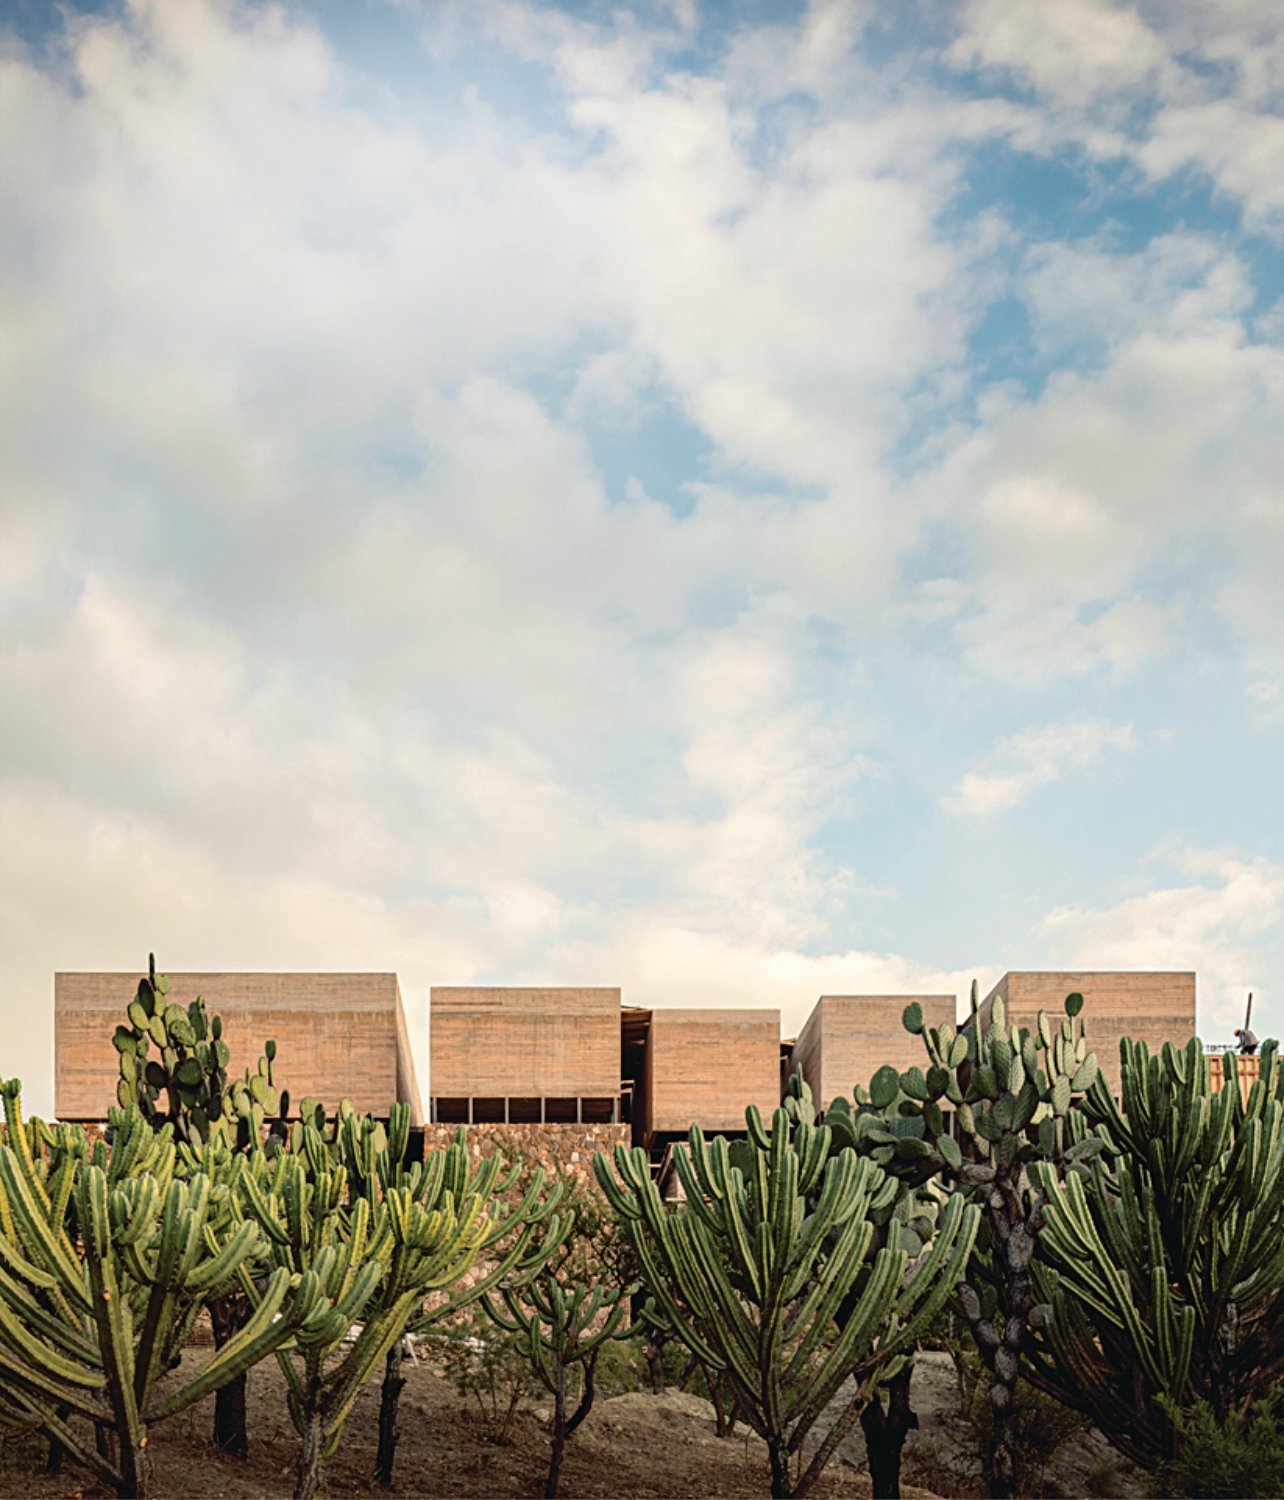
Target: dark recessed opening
{"points": [[561, 1111], [597, 1111], [451, 1111], [488, 1111], [524, 1111]]}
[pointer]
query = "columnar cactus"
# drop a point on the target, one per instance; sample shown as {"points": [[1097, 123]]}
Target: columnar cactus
{"points": [[1164, 1258], [888, 1416], [561, 1328], [526, 1225], [106, 1259], [776, 1236], [374, 1257], [988, 1106]]}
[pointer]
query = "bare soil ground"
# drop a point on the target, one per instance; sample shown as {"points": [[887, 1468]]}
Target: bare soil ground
{"points": [[631, 1445]]}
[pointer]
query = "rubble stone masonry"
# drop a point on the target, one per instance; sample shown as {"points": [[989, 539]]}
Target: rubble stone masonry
{"points": [[566, 1148]]}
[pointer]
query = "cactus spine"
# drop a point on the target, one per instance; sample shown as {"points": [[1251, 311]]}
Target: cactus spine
{"points": [[752, 1273], [1164, 1279]]}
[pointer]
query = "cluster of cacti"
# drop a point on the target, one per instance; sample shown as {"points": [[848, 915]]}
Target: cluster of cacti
{"points": [[186, 1082], [1126, 1256], [1163, 1262], [374, 1255], [520, 1230], [562, 1328], [991, 1103], [105, 1260], [319, 1240], [187, 1085], [753, 1272]]}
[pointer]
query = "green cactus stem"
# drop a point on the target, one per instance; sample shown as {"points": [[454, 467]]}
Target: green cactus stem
{"points": [[562, 1329], [1162, 1260], [751, 1273], [106, 1257]]}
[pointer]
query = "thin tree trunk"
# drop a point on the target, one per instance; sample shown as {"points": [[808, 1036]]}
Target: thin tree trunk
{"points": [[135, 1472], [307, 1473], [835, 1435], [389, 1403], [655, 1361]]}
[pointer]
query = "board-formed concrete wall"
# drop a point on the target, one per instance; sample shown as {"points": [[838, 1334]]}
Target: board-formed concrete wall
{"points": [[524, 1043], [706, 1066], [847, 1038], [338, 1035], [1150, 1006]]}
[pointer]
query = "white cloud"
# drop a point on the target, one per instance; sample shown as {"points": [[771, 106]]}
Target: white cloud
{"points": [[1216, 921], [1169, 89], [328, 639], [1022, 763]]}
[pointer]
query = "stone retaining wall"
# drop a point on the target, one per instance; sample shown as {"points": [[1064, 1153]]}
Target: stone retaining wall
{"points": [[566, 1148]]}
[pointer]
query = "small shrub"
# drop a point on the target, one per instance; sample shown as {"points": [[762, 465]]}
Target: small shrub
{"points": [[1241, 1456], [489, 1368], [621, 1367]]}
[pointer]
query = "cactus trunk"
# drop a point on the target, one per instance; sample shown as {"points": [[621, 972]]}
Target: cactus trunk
{"points": [[227, 1316], [307, 1472], [559, 1436], [778, 1454], [885, 1432], [389, 1403]]}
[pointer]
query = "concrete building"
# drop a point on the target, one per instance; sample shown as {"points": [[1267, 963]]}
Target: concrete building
{"points": [[705, 1067], [337, 1035], [1152, 1007], [523, 1056], [573, 1068], [847, 1038]]}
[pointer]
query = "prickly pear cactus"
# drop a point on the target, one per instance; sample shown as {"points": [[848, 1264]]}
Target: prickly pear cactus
{"points": [[173, 1065], [990, 1102]]}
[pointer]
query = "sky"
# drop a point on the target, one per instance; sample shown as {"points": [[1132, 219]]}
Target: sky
{"points": [[734, 501]]}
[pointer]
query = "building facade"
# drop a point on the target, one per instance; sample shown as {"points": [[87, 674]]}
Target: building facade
{"points": [[338, 1036]]}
